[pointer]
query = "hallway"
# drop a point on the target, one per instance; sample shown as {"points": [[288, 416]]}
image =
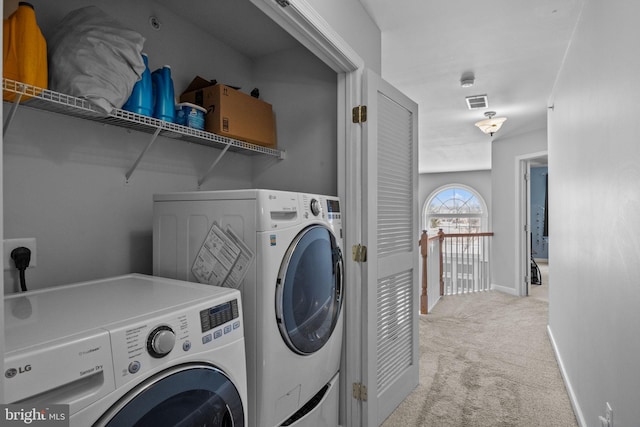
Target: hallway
{"points": [[486, 360]]}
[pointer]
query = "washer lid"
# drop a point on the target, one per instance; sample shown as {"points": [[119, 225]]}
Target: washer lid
{"points": [[37, 317]]}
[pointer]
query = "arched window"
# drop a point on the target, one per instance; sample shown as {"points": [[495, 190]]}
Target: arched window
{"points": [[455, 208]]}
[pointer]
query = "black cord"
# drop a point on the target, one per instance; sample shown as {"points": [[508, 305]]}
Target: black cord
{"points": [[23, 282], [22, 257]]}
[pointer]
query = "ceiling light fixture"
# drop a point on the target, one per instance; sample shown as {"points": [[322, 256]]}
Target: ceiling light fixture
{"points": [[491, 125]]}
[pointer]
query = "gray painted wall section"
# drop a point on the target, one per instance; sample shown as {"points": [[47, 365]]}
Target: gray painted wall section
{"points": [[594, 158], [352, 22], [64, 177], [504, 206]]}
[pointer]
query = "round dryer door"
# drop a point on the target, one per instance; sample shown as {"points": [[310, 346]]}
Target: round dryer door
{"points": [[187, 395], [309, 290]]}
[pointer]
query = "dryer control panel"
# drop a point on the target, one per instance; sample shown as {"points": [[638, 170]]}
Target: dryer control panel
{"points": [[325, 209]]}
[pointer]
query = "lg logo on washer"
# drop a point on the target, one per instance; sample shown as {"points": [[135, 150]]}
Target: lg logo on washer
{"points": [[12, 372]]}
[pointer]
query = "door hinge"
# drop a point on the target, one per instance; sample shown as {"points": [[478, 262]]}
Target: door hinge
{"points": [[360, 392], [283, 3], [359, 253], [359, 114]]}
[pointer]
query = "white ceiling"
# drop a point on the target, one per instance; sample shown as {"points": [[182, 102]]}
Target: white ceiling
{"points": [[514, 47]]}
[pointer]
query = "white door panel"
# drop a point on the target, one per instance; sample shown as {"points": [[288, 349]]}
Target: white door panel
{"points": [[390, 232]]}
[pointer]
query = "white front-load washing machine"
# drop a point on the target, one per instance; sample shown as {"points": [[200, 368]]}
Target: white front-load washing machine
{"points": [[132, 350], [283, 250]]}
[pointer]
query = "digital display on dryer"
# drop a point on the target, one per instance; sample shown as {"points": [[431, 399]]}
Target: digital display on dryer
{"points": [[215, 316]]}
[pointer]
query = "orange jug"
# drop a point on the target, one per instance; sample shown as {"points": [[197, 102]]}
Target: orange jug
{"points": [[24, 50]]}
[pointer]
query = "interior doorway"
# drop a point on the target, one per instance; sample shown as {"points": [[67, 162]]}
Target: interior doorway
{"points": [[539, 220], [532, 240]]}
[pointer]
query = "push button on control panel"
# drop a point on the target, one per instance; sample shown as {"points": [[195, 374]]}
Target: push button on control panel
{"points": [[207, 338], [134, 367]]}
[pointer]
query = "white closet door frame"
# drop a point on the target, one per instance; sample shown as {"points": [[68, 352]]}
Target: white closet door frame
{"points": [[309, 28]]}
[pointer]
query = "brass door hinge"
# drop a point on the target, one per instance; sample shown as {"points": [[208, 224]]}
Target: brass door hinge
{"points": [[360, 392], [359, 253], [359, 114]]}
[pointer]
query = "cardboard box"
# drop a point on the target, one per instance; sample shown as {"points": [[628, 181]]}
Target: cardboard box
{"points": [[233, 113]]}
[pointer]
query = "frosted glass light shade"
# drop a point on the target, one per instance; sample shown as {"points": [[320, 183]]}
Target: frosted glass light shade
{"points": [[492, 125]]}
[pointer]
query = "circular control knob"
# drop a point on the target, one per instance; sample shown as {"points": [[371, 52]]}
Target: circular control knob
{"points": [[161, 341], [315, 207]]}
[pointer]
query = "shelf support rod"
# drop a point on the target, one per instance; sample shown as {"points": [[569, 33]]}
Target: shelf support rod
{"points": [[135, 165], [213, 165], [14, 109]]}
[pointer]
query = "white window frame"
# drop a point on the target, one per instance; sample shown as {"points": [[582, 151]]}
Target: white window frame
{"points": [[427, 216]]}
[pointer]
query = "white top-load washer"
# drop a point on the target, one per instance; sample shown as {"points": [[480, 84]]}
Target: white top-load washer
{"points": [[283, 250], [129, 350]]}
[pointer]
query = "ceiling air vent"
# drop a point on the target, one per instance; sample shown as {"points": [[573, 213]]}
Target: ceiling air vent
{"points": [[477, 101]]}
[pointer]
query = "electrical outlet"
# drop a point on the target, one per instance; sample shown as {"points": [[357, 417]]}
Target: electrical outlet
{"points": [[11, 244], [609, 415]]}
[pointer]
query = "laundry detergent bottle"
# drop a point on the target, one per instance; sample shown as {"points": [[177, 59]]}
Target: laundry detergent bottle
{"points": [[163, 94], [141, 99], [24, 50]]}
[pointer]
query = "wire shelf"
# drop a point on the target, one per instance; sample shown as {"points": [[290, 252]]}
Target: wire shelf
{"points": [[48, 100]]}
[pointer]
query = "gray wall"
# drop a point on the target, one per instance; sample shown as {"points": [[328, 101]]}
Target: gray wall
{"points": [[64, 177], [504, 206], [352, 22], [303, 88], [594, 158]]}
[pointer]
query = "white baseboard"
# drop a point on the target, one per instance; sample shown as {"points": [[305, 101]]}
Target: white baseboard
{"points": [[572, 396], [433, 304], [504, 289]]}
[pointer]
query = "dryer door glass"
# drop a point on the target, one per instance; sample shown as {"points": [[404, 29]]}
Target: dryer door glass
{"points": [[309, 290], [191, 395]]}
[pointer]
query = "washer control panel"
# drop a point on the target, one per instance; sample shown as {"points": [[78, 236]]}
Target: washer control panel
{"points": [[151, 344]]}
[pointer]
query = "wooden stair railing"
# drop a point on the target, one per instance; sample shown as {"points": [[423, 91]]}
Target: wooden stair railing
{"points": [[477, 262]]}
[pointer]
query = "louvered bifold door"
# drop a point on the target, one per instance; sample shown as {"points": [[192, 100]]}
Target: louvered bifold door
{"points": [[391, 282]]}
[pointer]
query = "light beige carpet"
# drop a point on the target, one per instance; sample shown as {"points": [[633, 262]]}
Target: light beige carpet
{"points": [[486, 361]]}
